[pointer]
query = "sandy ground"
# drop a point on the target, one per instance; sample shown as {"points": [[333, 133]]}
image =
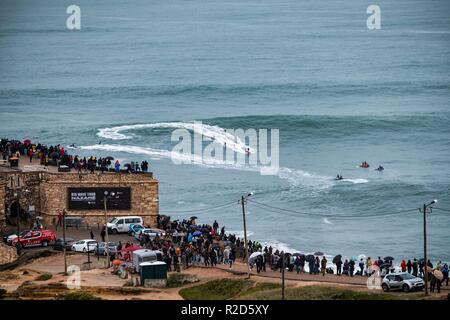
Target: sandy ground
{"points": [[102, 283]]}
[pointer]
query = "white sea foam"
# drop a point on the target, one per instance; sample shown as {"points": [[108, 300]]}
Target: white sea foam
{"points": [[240, 233], [356, 181], [218, 134], [325, 220], [293, 176]]}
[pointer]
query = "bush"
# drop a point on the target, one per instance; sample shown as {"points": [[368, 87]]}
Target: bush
{"points": [[216, 290], [175, 280], [44, 277]]}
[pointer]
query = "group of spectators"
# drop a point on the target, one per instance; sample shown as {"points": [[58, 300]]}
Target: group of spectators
{"points": [[57, 155]]}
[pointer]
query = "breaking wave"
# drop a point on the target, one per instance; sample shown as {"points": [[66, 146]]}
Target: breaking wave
{"points": [[218, 134]]}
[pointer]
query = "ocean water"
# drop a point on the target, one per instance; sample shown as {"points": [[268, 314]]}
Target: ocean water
{"points": [[338, 93]]}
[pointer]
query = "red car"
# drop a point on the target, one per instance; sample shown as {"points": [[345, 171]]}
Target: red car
{"points": [[35, 238]]}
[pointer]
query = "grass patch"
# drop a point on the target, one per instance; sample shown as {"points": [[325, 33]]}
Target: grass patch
{"points": [[175, 280], [323, 293], [44, 277], [216, 290], [80, 295]]}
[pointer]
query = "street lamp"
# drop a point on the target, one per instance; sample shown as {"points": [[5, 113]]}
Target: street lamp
{"points": [[424, 211], [243, 202], [107, 196]]}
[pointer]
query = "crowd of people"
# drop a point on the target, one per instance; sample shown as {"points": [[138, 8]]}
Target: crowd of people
{"points": [[187, 244], [57, 155]]}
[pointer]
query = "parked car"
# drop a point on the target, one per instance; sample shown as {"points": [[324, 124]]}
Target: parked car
{"points": [[59, 244], [402, 281], [101, 248], [35, 238], [122, 224], [13, 235], [86, 245], [151, 232], [134, 229]]}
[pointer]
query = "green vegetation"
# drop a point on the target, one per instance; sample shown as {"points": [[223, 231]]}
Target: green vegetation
{"points": [[80, 295], [44, 277], [248, 290], [216, 290], [175, 280]]}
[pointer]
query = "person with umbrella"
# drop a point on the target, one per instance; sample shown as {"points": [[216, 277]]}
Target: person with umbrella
{"points": [[337, 260], [297, 264]]}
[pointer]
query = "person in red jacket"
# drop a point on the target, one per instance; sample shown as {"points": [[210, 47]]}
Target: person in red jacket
{"points": [[403, 266]]}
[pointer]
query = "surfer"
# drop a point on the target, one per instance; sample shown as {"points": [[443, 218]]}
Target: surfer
{"points": [[73, 146], [380, 168], [339, 177]]}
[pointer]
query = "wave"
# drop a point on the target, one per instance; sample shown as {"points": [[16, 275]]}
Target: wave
{"points": [[293, 127], [293, 176], [218, 134], [355, 181], [265, 90]]}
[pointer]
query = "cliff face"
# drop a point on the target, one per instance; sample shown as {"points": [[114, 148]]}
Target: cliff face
{"points": [[7, 254]]}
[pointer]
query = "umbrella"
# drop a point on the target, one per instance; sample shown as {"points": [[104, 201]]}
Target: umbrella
{"points": [[362, 256], [26, 141], [438, 274], [131, 248], [388, 258], [310, 258], [298, 254], [197, 233], [254, 255], [318, 253], [193, 218], [337, 258]]}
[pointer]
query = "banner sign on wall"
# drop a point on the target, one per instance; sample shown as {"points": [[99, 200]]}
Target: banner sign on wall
{"points": [[92, 198]]}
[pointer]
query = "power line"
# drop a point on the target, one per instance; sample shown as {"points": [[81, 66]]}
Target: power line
{"points": [[228, 204], [446, 210], [321, 215]]}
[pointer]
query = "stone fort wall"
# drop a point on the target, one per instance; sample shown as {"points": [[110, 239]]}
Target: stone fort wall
{"points": [[47, 193]]}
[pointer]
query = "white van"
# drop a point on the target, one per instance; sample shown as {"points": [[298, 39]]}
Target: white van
{"points": [[122, 224]]}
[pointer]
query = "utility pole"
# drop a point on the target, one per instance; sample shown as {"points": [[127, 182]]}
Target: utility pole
{"points": [[425, 247], [425, 258], [64, 242], [282, 275], [105, 198], [243, 200]]}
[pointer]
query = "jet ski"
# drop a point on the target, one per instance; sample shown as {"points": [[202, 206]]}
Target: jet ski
{"points": [[364, 165], [338, 177]]}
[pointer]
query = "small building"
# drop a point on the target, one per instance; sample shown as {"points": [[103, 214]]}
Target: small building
{"points": [[153, 274], [30, 191]]}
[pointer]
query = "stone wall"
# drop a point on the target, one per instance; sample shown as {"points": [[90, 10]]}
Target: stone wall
{"points": [[144, 195], [47, 193], [7, 254]]}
